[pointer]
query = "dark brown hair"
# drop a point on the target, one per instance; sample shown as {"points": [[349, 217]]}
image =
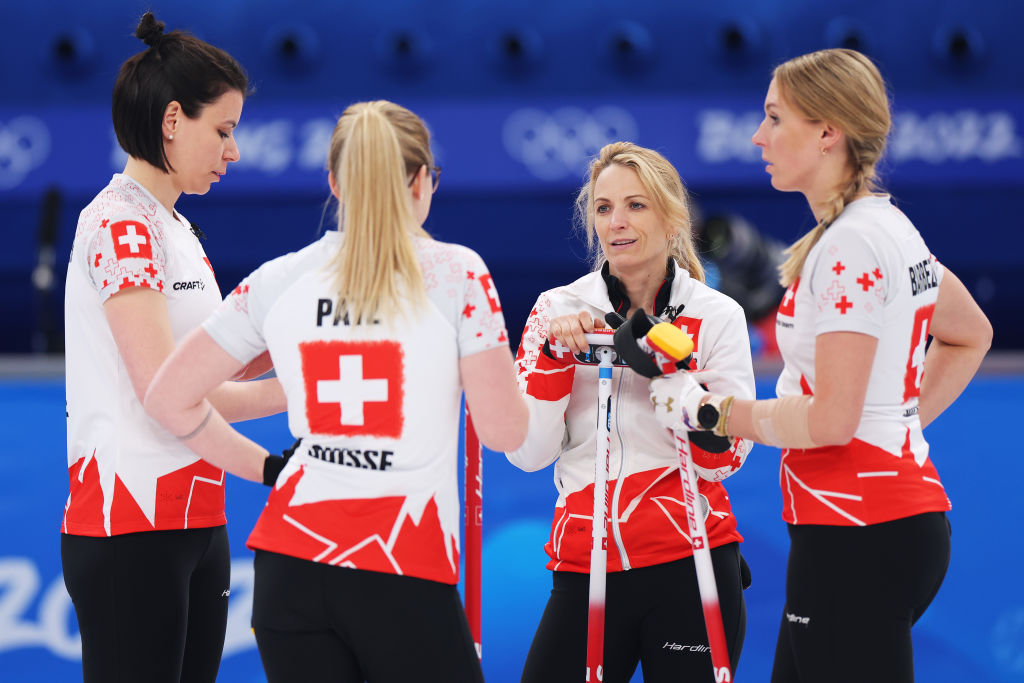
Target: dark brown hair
{"points": [[176, 66]]}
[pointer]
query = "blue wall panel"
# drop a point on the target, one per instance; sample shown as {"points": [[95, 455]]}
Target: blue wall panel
{"points": [[519, 93], [974, 631]]}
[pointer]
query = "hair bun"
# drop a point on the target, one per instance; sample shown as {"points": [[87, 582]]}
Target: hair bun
{"points": [[150, 31]]}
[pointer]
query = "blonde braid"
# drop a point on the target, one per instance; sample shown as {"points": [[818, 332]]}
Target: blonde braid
{"points": [[863, 177]]}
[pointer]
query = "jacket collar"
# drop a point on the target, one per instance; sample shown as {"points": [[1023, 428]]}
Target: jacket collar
{"points": [[620, 300], [594, 290]]}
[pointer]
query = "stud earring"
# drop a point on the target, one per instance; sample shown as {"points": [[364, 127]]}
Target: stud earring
{"points": [[824, 151], [171, 137]]}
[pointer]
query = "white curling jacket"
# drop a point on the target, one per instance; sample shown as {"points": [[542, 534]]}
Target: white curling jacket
{"points": [[647, 515]]}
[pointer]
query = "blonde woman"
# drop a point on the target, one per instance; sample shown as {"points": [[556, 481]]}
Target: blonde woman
{"points": [[375, 330], [635, 212], [870, 542]]}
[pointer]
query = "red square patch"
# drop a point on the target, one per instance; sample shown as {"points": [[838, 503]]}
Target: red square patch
{"points": [[788, 304], [690, 326], [131, 240], [354, 388]]}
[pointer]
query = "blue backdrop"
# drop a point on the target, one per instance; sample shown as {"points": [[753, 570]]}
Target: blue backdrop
{"points": [[974, 631], [519, 94]]}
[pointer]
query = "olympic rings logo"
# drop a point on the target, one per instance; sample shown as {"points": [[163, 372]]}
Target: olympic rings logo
{"points": [[24, 146], [554, 145]]}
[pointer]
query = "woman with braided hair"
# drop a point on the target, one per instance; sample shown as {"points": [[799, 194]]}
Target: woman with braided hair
{"points": [[866, 509], [144, 547]]}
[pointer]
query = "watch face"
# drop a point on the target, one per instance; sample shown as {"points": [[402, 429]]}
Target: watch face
{"points": [[707, 416]]}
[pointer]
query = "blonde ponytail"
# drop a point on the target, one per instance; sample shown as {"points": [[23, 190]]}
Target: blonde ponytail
{"points": [[376, 270]]}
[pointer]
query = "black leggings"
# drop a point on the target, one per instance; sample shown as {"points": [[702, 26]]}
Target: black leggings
{"points": [[852, 594], [653, 616], [316, 622], [151, 606]]}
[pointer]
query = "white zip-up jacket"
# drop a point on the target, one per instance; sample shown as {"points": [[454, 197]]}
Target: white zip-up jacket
{"points": [[647, 513]]}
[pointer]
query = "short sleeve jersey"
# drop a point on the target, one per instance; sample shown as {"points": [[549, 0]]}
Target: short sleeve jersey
{"points": [[870, 273], [374, 483], [128, 474]]}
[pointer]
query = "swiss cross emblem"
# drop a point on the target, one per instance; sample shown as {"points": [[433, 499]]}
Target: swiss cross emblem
{"points": [[240, 296], [131, 240], [354, 388], [492, 294], [691, 326], [788, 305], [558, 350]]}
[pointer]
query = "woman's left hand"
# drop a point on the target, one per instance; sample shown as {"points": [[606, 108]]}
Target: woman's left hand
{"points": [[676, 398]]}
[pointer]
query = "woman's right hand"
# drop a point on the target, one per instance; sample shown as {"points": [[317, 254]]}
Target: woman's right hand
{"points": [[570, 330]]}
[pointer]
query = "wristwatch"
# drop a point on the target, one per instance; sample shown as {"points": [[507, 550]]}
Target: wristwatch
{"points": [[708, 414], [714, 414]]}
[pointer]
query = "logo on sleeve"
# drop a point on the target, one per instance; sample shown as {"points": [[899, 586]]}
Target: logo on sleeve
{"points": [[240, 298], [492, 294], [354, 388], [131, 240]]}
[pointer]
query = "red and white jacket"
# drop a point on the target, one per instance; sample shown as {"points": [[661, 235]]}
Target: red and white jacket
{"points": [[647, 512]]}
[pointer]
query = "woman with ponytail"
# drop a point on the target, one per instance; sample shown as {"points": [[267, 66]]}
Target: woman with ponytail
{"points": [[144, 547], [878, 338], [375, 331]]}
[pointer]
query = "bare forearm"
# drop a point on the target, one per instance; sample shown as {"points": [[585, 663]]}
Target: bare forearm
{"points": [[238, 401], [948, 370], [216, 442], [499, 413]]}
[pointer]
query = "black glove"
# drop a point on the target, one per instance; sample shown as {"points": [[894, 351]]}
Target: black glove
{"points": [[626, 335], [710, 442], [273, 465], [626, 339]]}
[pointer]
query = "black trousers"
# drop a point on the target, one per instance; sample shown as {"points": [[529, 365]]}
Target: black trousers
{"points": [[653, 617], [151, 606], [316, 622], [852, 594]]}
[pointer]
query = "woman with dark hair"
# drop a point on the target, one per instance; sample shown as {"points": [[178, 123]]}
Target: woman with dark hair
{"points": [[878, 338], [144, 547]]}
